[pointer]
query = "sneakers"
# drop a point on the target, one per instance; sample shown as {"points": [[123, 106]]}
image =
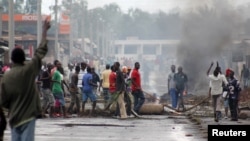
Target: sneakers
{"points": [[135, 113], [131, 116]]}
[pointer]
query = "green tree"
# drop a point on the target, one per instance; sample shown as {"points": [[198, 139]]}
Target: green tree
{"points": [[18, 6]]}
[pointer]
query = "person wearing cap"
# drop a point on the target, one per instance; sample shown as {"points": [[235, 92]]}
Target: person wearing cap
{"points": [[225, 94]]}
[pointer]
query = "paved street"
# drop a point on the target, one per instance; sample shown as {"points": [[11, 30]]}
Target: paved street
{"points": [[151, 128]]}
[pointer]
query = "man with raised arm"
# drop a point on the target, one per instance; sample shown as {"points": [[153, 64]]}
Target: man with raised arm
{"points": [[18, 90]]}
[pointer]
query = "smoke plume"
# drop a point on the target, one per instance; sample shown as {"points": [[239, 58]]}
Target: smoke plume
{"points": [[207, 31]]}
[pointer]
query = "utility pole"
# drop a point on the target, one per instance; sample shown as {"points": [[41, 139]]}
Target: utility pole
{"points": [[56, 32], [1, 22], [39, 21], [82, 43], [107, 50], [103, 39], [71, 31], [91, 32], [11, 27], [98, 38]]}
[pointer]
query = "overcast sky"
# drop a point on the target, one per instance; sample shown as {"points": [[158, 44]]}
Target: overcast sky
{"points": [[146, 5]]}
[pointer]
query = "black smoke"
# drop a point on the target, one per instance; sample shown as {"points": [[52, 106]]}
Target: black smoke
{"points": [[207, 34]]}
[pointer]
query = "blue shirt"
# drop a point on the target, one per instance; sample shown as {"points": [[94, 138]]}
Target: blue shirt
{"points": [[85, 82]]}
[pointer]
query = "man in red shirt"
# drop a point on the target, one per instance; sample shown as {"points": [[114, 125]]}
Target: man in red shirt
{"points": [[139, 97], [112, 80]]}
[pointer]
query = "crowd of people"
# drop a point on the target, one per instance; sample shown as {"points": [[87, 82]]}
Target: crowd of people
{"points": [[121, 86], [224, 91]]}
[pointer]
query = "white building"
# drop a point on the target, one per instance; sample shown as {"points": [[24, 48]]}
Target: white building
{"points": [[145, 49]]}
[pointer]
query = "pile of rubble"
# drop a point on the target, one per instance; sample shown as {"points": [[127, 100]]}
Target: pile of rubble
{"points": [[245, 98]]}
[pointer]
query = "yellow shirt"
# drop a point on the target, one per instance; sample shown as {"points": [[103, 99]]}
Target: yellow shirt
{"points": [[105, 78]]}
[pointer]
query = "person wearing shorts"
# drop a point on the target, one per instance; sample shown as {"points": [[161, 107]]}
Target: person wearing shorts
{"points": [[87, 89]]}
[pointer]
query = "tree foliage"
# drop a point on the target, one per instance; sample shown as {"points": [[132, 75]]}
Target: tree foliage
{"points": [[18, 6], [136, 22]]}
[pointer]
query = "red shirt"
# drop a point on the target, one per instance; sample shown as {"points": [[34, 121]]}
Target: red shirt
{"points": [[136, 77], [112, 79]]}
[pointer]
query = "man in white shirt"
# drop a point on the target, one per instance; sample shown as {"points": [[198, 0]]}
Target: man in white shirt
{"points": [[215, 89], [172, 87], [82, 72]]}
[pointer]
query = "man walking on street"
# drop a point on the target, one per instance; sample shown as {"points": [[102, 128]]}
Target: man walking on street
{"points": [[172, 87], [244, 76], [120, 89], [87, 88], [216, 89], [139, 97], [95, 80], [48, 98], [82, 72], [181, 87], [18, 92], [74, 92], [104, 83], [57, 88]]}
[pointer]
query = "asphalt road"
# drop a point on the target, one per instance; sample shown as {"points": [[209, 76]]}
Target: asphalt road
{"points": [[150, 128]]}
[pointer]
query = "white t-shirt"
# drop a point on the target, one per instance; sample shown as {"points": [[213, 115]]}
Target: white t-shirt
{"points": [[171, 80], [216, 83], [80, 76]]}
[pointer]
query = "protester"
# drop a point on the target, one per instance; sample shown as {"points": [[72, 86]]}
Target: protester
{"points": [[137, 92], [87, 88], [3, 124], [112, 91], [234, 91], [48, 98], [74, 92], [18, 91], [181, 87], [96, 80], [104, 83], [216, 89], [82, 72], [57, 89], [172, 87], [120, 89], [245, 76], [225, 94]]}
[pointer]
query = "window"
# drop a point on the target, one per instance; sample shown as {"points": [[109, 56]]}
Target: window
{"points": [[149, 49], [130, 49], [164, 49], [118, 49]]}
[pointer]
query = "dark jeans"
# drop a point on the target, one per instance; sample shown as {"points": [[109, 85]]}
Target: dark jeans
{"points": [[139, 99], [174, 97], [233, 105], [180, 101], [106, 94], [3, 124]]}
